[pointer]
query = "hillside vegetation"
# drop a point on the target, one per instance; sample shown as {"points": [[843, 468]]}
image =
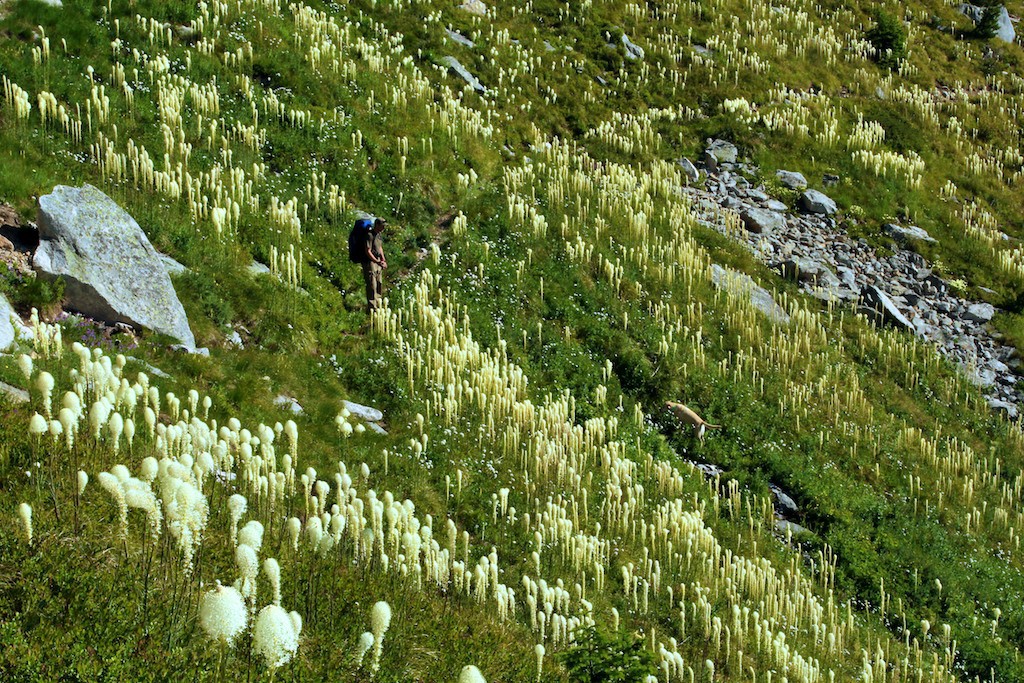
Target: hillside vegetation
{"points": [[532, 510]]}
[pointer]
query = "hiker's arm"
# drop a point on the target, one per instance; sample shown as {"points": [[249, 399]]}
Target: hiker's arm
{"points": [[373, 259]]}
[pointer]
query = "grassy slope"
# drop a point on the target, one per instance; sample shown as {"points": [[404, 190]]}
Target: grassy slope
{"points": [[841, 455]]}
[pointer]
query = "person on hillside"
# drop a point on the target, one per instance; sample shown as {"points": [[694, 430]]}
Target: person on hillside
{"points": [[374, 264]]}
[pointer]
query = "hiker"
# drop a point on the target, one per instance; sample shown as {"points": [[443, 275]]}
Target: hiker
{"points": [[374, 264]]}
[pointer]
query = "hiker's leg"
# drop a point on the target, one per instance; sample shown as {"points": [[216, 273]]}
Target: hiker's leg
{"points": [[378, 285], [369, 278]]}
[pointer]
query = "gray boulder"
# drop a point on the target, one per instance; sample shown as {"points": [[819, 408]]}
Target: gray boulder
{"points": [[454, 66], [722, 151], [633, 51], [8, 334], [762, 220], [288, 403], [814, 201], [808, 271], [14, 394], [792, 179], [879, 306], [111, 270], [257, 268], [459, 38], [171, 266], [740, 284], [689, 170], [1006, 407], [905, 235], [1004, 30], [365, 413], [980, 312]]}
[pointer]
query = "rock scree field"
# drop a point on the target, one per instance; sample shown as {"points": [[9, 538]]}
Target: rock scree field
{"points": [[801, 221]]}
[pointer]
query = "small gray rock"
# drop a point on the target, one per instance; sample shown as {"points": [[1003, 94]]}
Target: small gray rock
{"points": [[8, 333], [171, 266], [762, 220], [775, 205], [786, 504], [1010, 410], [817, 202], [722, 151], [740, 284], [782, 526], [454, 66], [459, 38], [689, 170], [257, 268], [881, 307], [633, 51], [15, 394], [979, 312], [792, 179], [288, 403], [905, 235], [365, 413], [376, 428]]}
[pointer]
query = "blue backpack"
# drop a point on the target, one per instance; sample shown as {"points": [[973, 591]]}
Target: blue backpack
{"points": [[357, 240]]}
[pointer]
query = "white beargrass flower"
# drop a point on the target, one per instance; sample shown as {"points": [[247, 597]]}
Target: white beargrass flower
{"points": [[380, 620], [237, 505], [274, 637], [222, 614], [25, 364], [273, 572], [83, 481], [251, 534], [37, 425], [25, 513], [296, 622], [112, 485], [248, 570], [149, 469], [538, 650], [471, 674], [294, 529], [363, 646], [44, 382], [69, 420]]}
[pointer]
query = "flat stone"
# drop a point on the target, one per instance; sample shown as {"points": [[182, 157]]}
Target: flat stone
{"points": [[783, 500], [979, 312], [288, 403], [376, 428], [364, 413], [112, 272], [909, 234], [740, 284], [8, 332], [689, 170], [1010, 410], [454, 66], [775, 205], [792, 179], [459, 38], [15, 394], [882, 308], [762, 220], [783, 526], [633, 51], [171, 266], [257, 268], [722, 151], [817, 202]]}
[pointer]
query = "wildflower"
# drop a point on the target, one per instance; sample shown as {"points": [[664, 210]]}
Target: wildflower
{"points": [[274, 637], [25, 513], [273, 572], [222, 614], [471, 674], [83, 480], [252, 534], [237, 505], [37, 426], [25, 364], [380, 620], [364, 644]]}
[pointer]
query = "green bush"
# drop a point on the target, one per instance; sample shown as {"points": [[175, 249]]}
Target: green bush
{"points": [[889, 38], [597, 658]]}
